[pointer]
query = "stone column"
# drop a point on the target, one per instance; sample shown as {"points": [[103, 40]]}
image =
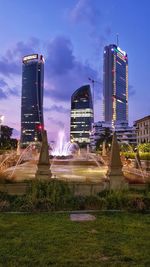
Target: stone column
{"points": [[43, 167], [115, 173], [18, 148], [104, 152]]}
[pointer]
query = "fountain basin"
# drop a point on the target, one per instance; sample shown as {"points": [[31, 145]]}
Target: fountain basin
{"points": [[80, 171], [75, 162]]}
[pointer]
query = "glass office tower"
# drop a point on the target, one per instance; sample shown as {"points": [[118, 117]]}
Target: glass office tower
{"points": [[81, 116], [32, 99], [115, 84]]}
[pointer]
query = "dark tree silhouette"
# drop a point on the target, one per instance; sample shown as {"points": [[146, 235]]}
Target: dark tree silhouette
{"points": [[6, 142], [105, 137]]}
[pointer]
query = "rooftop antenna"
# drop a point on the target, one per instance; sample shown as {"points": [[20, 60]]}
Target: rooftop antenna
{"points": [[117, 36]]}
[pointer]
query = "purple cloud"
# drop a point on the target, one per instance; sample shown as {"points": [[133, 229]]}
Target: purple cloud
{"points": [[21, 49], [131, 90], [3, 83], [56, 108], [87, 14], [64, 72], [60, 57], [8, 67], [3, 95], [10, 64], [13, 92], [56, 122], [16, 133], [84, 10], [6, 91]]}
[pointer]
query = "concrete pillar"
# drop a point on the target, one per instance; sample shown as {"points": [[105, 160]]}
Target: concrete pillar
{"points": [[43, 166], [115, 173]]}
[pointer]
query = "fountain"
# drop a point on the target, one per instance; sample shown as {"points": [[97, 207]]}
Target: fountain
{"points": [[69, 163], [63, 148]]}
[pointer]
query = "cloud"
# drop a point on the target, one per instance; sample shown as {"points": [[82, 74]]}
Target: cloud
{"points": [[56, 108], [87, 14], [10, 64], [13, 92], [8, 67], [3, 95], [6, 91], [60, 57], [64, 72], [84, 11], [2, 83], [16, 133], [132, 91], [21, 49], [56, 122]]}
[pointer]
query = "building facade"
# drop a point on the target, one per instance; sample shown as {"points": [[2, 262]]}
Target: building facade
{"points": [[115, 84], [125, 134], [81, 116], [32, 99], [143, 130]]}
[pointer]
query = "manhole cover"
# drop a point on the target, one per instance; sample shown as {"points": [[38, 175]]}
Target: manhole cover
{"points": [[82, 217]]}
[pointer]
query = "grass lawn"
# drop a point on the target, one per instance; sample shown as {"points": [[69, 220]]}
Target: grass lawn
{"points": [[113, 239]]}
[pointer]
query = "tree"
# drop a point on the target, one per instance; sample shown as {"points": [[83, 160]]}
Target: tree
{"points": [[145, 147], [6, 142], [106, 137], [124, 147]]}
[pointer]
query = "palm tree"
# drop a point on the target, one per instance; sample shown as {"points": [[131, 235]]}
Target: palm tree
{"points": [[106, 137]]}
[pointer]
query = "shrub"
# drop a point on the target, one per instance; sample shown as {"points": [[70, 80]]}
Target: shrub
{"points": [[126, 147], [116, 200], [144, 147], [56, 195], [130, 155], [77, 203], [95, 202], [143, 155], [137, 204], [51, 195], [4, 205]]}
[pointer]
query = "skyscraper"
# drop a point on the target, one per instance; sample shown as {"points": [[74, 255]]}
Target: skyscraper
{"points": [[115, 84], [32, 99], [81, 115]]}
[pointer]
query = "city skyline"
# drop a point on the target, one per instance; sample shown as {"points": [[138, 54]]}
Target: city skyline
{"points": [[71, 35]]}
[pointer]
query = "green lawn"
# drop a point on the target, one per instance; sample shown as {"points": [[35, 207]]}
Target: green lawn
{"points": [[114, 239]]}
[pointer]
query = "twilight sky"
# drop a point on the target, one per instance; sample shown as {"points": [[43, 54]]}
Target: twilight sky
{"points": [[71, 34]]}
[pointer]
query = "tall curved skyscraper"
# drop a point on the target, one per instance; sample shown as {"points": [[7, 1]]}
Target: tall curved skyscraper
{"points": [[81, 116], [32, 99]]}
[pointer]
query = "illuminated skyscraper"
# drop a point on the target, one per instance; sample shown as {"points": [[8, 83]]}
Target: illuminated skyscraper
{"points": [[115, 84], [32, 99], [81, 115]]}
